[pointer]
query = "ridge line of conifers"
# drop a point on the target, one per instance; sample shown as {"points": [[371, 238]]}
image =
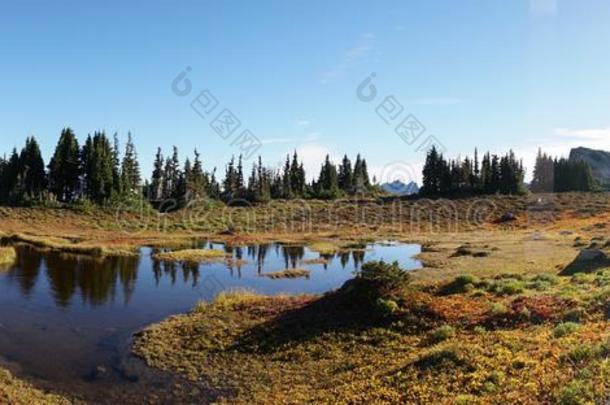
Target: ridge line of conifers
{"points": [[502, 175], [97, 172]]}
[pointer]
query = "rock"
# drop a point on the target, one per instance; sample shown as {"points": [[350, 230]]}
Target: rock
{"points": [[99, 373], [507, 217], [598, 160], [587, 261]]}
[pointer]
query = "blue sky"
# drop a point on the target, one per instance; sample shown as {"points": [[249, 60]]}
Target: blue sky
{"points": [[495, 74]]}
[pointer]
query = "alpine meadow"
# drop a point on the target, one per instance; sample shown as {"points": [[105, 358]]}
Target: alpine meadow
{"points": [[270, 202]]}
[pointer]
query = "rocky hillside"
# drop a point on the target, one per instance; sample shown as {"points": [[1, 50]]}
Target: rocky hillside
{"points": [[598, 160], [399, 188]]}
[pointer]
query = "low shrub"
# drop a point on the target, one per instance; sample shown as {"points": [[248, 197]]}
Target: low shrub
{"points": [[507, 287], [442, 333], [460, 285], [565, 329]]}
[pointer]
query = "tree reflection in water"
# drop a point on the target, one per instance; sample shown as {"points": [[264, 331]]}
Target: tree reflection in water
{"points": [[94, 280], [97, 280]]}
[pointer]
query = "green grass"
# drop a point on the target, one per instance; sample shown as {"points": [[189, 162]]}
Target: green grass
{"points": [[288, 273]]}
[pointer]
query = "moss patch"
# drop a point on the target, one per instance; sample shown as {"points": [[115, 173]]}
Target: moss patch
{"points": [[192, 256]]}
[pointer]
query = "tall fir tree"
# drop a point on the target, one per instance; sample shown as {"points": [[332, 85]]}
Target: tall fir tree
{"points": [[157, 178], [31, 169], [327, 184], [131, 179], [287, 191], [64, 167], [346, 176]]}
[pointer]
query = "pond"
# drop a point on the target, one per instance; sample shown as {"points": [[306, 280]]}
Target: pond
{"points": [[66, 321]]}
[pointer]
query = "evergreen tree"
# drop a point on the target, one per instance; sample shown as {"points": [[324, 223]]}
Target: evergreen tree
{"points": [[544, 174], [130, 169], [287, 180], [214, 186], [477, 172], [64, 167], [346, 176], [116, 166], [157, 179], [494, 186], [230, 181], [431, 174], [259, 186], [99, 168], [240, 178], [197, 179], [172, 176], [361, 182], [10, 180], [32, 171], [327, 186], [573, 176], [297, 176]]}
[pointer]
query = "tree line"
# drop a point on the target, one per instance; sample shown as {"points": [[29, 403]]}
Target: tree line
{"points": [[493, 174], [561, 175], [98, 171]]}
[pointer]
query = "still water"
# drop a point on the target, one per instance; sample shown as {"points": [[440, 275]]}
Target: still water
{"points": [[66, 321]]}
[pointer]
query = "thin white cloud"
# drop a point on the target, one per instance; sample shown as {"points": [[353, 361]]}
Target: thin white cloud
{"points": [[312, 136], [399, 170], [364, 46], [302, 123], [585, 134], [542, 8], [270, 141]]}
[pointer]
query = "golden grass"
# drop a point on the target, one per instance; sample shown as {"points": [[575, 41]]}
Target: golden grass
{"points": [[231, 299], [68, 246], [16, 392], [316, 350], [288, 273], [515, 252], [319, 260], [192, 256], [325, 247], [8, 255]]}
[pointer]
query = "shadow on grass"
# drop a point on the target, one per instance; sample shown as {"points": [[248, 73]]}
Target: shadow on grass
{"points": [[587, 261], [335, 313]]}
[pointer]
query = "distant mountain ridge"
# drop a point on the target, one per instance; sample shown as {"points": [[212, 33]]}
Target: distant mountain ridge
{"points": [[599, 161], [399, 188]]}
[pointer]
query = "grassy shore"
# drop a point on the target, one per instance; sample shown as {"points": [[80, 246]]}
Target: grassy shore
{"points": [[118, 232], [494, 316], [328, 226], [512, 338], [16, 392]]}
